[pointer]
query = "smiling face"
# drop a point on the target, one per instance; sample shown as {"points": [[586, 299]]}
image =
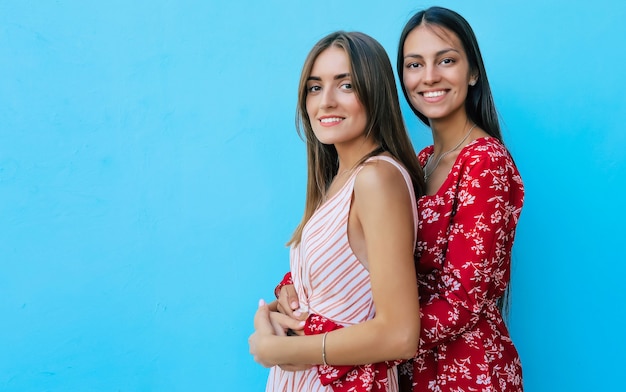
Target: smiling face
{"points": [[336, 114], [436, 72]]}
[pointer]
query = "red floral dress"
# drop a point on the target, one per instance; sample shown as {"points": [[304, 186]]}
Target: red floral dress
{"points": [[465, 235]]}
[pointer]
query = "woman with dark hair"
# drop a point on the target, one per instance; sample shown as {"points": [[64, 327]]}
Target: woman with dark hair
{"points": [[468, 217], [474, 197], [352, 255]]}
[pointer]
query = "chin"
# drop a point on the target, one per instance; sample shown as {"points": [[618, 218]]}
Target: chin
{"points": [[325, 140], [431, 115]]}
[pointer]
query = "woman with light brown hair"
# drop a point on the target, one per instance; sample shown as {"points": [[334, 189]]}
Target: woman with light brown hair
{"points": [[352, 255]]}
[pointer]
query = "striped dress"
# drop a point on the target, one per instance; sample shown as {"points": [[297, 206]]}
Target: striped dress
{"points": [[329, 279]]}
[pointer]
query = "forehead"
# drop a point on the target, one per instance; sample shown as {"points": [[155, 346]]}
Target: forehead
{"points": [[332, 61], [429, 37]]}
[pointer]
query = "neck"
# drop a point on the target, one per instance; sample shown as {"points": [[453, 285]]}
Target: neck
{"points": [[448, 132], [349, 157]]}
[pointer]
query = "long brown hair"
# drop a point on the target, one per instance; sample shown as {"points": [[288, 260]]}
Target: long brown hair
{"points": [[374, 85]]}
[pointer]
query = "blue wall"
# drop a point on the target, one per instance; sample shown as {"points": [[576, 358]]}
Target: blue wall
{"points": [[150, 174]]}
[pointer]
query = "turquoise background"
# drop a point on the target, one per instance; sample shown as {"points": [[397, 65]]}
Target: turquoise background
{"points": [[150, 175]]}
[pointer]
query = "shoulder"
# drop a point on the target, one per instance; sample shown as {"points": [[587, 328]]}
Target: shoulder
{"points": [[383, 193], [487, 147], [379, 176], [487, 164], [486, 152]]}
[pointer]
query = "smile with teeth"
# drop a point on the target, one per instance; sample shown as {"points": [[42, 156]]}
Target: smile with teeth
{"points": [[329, 120], [433, 94]]}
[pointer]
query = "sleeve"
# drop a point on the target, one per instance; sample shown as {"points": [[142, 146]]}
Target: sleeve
{"points": [[286, 280], [476, 265]]}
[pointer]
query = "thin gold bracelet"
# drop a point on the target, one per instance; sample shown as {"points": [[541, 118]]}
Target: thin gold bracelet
{"points": [[324, 349]]}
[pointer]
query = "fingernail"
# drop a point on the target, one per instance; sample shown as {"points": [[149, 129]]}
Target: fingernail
{"points": [[302, 323], [294, 305], [261, 302], [297, 313]]}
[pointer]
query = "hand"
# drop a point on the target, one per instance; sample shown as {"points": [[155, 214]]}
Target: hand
{"points": [[282, 323], [260, 341], [267, 325], [288, 303]]}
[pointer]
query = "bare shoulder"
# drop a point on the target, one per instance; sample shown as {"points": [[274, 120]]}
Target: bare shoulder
{"points": [[379, 177]]}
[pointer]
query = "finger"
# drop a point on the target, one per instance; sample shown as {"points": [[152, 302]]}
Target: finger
{"points": [[262, 323], [296, 314], [283, 301], [292, 296], [272, 306], [285, 322], [278, 329]]}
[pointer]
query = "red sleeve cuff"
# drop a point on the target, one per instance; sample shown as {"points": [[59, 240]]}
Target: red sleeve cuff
{"points": [[286, 280]]}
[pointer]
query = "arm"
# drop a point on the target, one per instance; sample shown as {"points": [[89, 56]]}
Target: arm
{"points": [[476, 268], [383, 208]]}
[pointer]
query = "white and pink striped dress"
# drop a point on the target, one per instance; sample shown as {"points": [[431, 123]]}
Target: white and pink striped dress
{"points": [[330, 280]]}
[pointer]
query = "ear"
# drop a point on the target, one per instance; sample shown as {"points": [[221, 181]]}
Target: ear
{"points": [[473, 80]]}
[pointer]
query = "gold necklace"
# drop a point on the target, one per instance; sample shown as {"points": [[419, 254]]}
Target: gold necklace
{"points": [[426, 175]]}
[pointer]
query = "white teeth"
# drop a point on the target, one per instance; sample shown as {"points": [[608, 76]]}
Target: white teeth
{"points": [[330, 119], [433, 94]]}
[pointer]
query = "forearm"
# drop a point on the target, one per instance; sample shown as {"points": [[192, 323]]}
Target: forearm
{"points": [[369, 342], [443, 321]]}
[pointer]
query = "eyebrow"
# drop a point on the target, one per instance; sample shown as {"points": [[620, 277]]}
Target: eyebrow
{"points": [[439, 53], [337, 77]]}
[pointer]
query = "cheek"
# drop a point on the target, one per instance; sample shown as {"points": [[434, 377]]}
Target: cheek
{"points": [[410, 85], [355, 105], [464, 88], [406, 80], [409, 81]]}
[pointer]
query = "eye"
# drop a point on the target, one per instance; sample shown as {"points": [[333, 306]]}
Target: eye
{"points": [[346, 86], [447, 61], [314, 89], [413, 65]]}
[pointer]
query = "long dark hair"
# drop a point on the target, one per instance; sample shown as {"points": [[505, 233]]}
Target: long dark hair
{"points": [[374, 85], [479, 103]]}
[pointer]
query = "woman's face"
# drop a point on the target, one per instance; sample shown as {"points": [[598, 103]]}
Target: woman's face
{"points": [[436, 72], [336, 114]]}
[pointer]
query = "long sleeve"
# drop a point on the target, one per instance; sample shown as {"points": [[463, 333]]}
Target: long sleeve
{"points": [[473, 248]]}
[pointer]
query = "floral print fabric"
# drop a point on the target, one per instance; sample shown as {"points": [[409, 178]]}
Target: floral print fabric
{"points": [[362, 378], [464, 246]]}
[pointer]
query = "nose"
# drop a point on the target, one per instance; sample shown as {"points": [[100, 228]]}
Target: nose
{"points": [[431, 75], [328, 99]]}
